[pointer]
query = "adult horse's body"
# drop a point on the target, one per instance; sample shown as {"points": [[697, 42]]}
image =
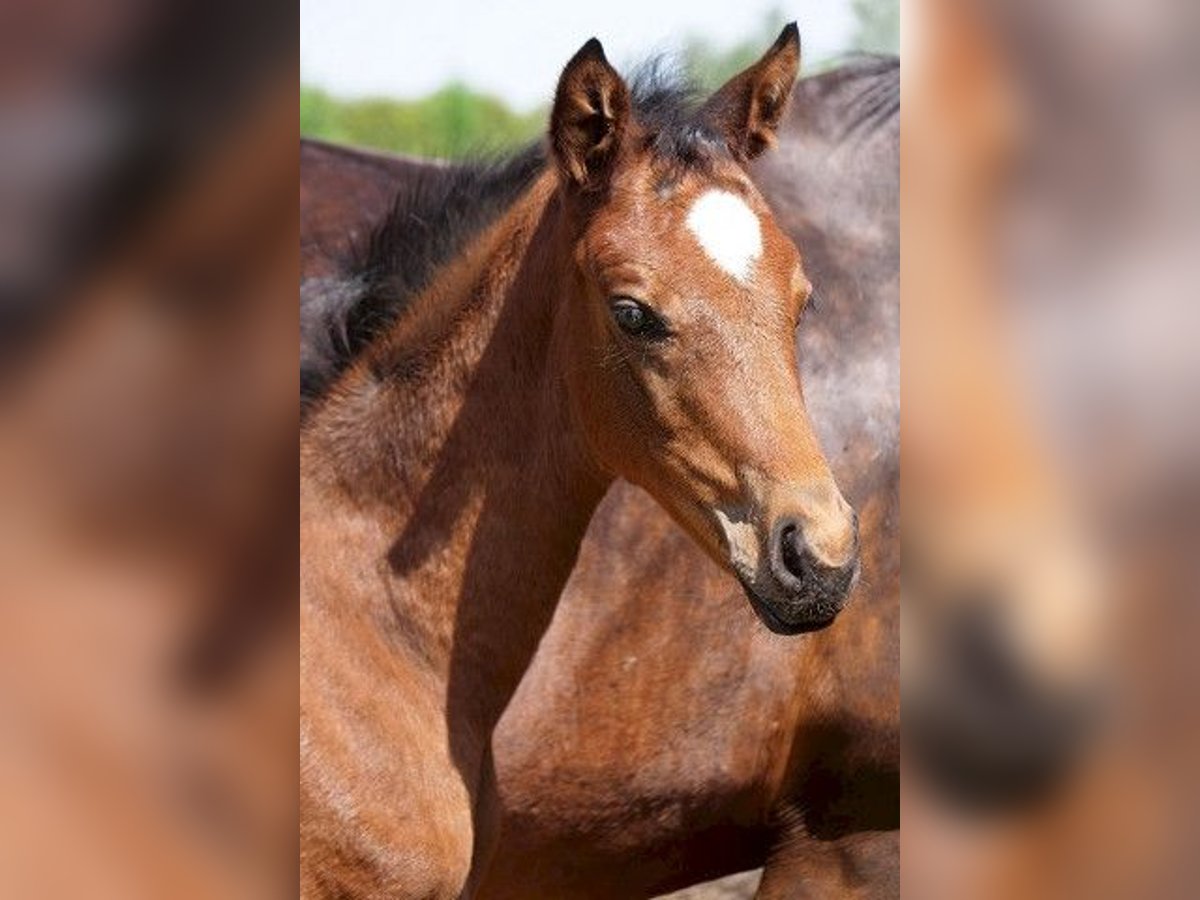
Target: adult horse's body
{"points": [[592, 328], [661, 736]]}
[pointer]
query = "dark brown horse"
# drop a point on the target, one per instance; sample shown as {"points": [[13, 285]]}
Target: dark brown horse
{"points": [[641, 753], [627, 311]]}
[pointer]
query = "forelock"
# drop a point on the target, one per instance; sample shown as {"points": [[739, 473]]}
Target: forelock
{"points": [[666, 105]]}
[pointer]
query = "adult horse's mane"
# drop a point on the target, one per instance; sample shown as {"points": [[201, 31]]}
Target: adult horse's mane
{"points": [[438, 211]]}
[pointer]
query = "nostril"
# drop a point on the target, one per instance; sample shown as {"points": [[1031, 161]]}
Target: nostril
{"points": [[792, 550], [794, 560]]}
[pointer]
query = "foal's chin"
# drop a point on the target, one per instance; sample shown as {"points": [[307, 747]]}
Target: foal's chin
{"points": [[813, 609]]}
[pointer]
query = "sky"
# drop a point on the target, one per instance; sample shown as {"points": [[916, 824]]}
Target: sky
{"points": [[405, 49]]}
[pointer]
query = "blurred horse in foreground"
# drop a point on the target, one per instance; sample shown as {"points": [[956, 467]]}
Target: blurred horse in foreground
{"points": [[147, 633]]}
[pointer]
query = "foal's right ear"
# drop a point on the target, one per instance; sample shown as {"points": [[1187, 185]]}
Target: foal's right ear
{"points": [[748, 109], [591, 112]]}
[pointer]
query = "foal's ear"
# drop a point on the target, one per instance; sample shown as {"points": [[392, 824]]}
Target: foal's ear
{"points": [[591, 112], [747, 110]]}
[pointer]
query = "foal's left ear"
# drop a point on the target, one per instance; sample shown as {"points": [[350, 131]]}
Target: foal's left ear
{"points": [[747, 110], [591, 112]]}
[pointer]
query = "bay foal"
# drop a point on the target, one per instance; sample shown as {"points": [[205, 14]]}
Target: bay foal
{"points": [[626, 311]]}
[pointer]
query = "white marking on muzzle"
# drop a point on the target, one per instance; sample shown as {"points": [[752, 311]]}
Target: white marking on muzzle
{"points": [[741, 542], [728, 230]]}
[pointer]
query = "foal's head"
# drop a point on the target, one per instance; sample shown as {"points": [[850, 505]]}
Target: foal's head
{"points": [[685, 296]]}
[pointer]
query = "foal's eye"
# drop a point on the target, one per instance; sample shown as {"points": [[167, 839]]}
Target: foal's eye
{"points": [[637, 319]]}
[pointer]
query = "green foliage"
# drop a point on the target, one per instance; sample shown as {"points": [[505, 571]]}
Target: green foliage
{"points": [[453, 122]]}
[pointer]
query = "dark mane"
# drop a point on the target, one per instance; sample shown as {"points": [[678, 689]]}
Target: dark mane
{"points": [[432, 218], [435, 212], [439, 210]]}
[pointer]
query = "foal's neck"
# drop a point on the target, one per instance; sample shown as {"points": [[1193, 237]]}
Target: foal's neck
{"points": [[452, 438]]}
